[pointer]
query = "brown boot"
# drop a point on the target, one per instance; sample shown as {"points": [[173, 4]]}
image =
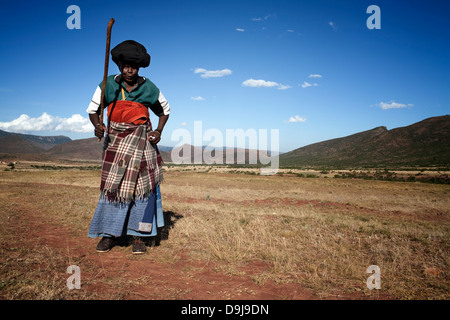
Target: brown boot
{"points": [[105, 244], [138, 246]]}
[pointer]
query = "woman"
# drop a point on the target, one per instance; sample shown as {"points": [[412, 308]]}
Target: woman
{"points": [[130, 200]]}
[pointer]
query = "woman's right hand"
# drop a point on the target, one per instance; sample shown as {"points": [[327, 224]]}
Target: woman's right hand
{"points": [[100, 130]]}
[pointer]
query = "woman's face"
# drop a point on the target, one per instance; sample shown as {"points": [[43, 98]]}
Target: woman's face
{"points": [[129, 73]]}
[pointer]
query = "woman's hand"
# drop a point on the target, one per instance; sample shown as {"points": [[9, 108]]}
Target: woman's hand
{"points": [[100, 130], [155, 137]]}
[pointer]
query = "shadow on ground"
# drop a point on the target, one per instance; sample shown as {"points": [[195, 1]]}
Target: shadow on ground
{"points": [[170, 219]]}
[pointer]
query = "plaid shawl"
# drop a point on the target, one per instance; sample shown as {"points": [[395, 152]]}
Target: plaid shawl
{"points": [[132, 166]]}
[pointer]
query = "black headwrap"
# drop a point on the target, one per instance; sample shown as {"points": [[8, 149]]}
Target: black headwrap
{"points": [[130, 52]]}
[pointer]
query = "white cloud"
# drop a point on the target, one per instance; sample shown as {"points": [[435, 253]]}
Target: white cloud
{"points": [[240, 29], [307, 84], [393, 105], [46, 122], [212, 73], [264, 84], [183, 124], [283, 87], [76, 123], [269, 16], [197, 98], [296, 119], [312, 75], [332, 25], [259, 83]]}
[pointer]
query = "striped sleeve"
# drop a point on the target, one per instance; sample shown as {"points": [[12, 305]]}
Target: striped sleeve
{"points": [[95, 102], [161, 106]]}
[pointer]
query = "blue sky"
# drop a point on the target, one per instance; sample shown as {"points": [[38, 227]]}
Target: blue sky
{"points": [[310, 69]]}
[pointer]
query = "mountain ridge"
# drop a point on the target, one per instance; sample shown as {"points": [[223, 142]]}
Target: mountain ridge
{"points": [[43, 142], [425, 143]]}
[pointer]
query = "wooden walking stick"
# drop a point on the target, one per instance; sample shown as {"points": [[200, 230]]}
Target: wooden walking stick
{"points": [[105, 74]]}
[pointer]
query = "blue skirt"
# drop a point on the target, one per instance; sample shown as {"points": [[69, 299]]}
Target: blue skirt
{"points": [[138, 218]]}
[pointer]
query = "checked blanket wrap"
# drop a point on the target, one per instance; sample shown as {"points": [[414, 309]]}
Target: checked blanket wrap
{"points": [[132, 166]]}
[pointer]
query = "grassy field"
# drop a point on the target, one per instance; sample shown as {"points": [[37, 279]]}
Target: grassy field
{"points": [[318, 234]]}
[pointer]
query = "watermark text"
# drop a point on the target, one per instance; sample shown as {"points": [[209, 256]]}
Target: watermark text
{"points": [[74, 20], [374, 281], [74, 281], [374, 21], [249, 146]]}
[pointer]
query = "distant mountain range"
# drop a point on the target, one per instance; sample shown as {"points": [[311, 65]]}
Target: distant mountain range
{"points": [[425, 143]]}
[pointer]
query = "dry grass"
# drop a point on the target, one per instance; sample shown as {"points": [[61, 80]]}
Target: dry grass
{"points": [[321, 233], [401, 227]]}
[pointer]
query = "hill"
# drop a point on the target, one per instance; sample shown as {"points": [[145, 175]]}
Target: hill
{"points": [[425, 143], [42, 142], [17, 144], [208, 155], [81, 149]]}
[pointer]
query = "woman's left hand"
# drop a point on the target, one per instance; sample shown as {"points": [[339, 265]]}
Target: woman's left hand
{"points": [[155, 137]]}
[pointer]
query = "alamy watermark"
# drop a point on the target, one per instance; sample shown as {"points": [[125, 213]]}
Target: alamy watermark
{"points": [[236, 146], [374, 281], [74, 20], [74, 281], [374, 21]]}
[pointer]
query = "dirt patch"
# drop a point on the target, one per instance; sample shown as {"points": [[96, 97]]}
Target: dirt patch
{"points": [[140, 277]]}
